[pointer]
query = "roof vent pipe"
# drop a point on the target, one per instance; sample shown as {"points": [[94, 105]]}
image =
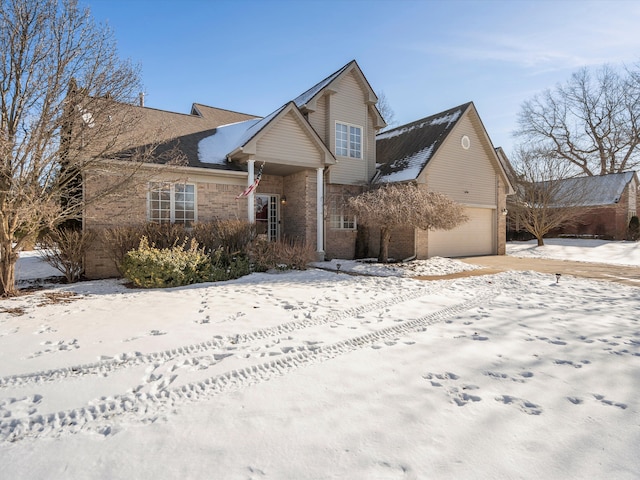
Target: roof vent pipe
{"points": [[141, 98]]}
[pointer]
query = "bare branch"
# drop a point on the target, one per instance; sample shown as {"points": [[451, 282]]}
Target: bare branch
{"points": [[547, 196], [64, 108], [591, 122], [392, 205]]}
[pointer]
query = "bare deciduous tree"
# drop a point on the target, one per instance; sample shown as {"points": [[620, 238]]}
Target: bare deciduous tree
{"points": [[62, 89], [545, 197], [393, 205], [592, 122], [385, 109]]}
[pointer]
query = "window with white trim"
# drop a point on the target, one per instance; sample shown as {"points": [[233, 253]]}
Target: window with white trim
{"points": [[348, 140], [172, 203], [340, 217]]}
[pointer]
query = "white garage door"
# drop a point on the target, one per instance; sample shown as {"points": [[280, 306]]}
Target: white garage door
{"points": [[473, 238]]}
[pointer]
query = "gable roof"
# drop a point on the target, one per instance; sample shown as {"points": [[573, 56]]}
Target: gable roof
{"points": [[403, 152], [304, 98], [230, 141], [307, 100], [226, 139], [208, 136], [596, 190]]}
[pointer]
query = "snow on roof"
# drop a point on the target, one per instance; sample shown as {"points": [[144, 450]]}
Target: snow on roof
{"points": [[449, 118], [405, 151], [407, 168], [215, 148], [598, 190]]}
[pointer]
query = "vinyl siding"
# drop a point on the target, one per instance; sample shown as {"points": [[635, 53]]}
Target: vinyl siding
{"points": [[466, 176], [348, 105], [318, 119], [371, 148], [286, 142]]}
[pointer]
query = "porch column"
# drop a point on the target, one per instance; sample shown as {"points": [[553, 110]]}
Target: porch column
{"points": [[250, 199], [320, 213]]}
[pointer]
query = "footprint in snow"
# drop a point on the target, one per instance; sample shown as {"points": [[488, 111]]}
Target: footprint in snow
{"points": [[526, 406], [458, 395], [611, 403]]}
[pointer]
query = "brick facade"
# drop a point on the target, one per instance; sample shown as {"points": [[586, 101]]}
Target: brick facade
{"points": [[339, 243], [299, 214], [214, 201], [605, 221]]}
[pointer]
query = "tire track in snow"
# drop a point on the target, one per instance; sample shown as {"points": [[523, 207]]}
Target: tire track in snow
{"points": [[124, 360], [146, 407]]}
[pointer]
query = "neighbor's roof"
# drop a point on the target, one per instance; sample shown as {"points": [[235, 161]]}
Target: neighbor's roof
{"points": [[403, 152], [598, 190]]}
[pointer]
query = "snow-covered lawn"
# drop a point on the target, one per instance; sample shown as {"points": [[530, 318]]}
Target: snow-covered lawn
{"points": [[317, 374], [598, 251]]}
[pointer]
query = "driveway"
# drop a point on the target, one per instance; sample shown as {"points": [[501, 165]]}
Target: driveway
{"points": [[596, 271]]}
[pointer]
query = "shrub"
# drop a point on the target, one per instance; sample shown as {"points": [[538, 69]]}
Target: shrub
{"points": [[166, 235], [227, 267], [118, 241], [64, 249], [152, 267], [282, 255], [232, 236], [154, 262]]}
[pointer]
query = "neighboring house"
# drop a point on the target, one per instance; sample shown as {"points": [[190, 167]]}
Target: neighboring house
{"points": [[311, 154], [450, 153], [609, 202]]}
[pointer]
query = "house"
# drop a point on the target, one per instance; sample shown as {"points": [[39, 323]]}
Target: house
{"points": [[450, 153], [297, 166], [313, 151], [608, 203]]}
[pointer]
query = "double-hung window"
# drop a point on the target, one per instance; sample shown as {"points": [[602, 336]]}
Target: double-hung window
{"points": [[343, 221], [172, 203], [348, 140], [340, 216]]}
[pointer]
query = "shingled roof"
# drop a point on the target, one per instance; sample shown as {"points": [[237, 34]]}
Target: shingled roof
{"points": [[596, 190], [403, 152], [206, 136], [180, 133], [305, 97]]}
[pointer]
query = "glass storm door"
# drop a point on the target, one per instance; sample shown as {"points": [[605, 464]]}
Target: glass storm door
{"points": [[267, 216]]}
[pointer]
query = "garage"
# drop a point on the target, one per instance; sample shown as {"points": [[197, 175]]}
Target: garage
{"points": [[476, 237]]}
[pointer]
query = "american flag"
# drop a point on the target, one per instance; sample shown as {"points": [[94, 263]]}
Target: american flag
{"points": [[253, 186]]}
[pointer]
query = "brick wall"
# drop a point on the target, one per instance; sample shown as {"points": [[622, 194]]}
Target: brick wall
{"points": [[125, 208], [339, 243], [607, 221], [402, 243], [299, 215], [214, 200]]}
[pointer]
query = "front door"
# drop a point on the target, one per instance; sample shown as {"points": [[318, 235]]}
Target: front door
{"points": [[267, 223]]}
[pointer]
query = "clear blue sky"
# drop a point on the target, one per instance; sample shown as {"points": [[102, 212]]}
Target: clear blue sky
{"points": [[427, 56]]}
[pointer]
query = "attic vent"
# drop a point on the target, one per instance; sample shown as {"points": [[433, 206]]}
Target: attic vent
{"points": [[465, 142]]}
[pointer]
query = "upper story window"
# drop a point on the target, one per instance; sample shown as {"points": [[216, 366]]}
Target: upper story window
{"points": [[172, 203], [348, 140]]}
